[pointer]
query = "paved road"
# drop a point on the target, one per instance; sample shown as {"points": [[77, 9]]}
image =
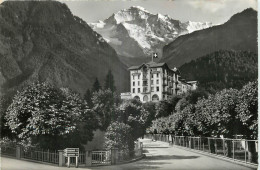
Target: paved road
{"points": [[158, 156]]}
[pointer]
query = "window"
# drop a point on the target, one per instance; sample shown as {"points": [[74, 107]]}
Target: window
{"points": [[137, 98], [152, 76], [138, 83], [139, 90], [157, 81], [155, 97], [157, 89], [145, 98], [152, 89], [145, 83], [133, 90], [133, 77], [151, 81], [138, 76], [157, 75], [133, 83]]}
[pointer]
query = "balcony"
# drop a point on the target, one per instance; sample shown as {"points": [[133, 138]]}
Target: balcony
{"points": [[165, 83], [145, 91], [167, 92], [144, 77]]}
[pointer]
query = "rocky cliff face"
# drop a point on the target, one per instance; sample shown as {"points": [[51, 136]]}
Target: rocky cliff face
{"points": [[137, 33], [239, 34], [43, 41]]}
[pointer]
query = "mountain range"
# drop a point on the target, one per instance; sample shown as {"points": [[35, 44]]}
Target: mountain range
{"points": [[44, 41], [135, 33], [239, 33]]}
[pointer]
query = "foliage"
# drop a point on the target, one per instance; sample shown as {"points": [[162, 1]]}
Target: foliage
{"points": [[88, 98], [117, 135], [247, 109], [133, 114], [150, 107], [110, 82], [96, 86], [164, 108], [105, 104], [228, 112], [5, 101], [222, 69], [49, 117]]}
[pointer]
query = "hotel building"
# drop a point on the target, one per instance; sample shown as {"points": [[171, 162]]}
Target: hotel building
{"points": [[155, 82]]}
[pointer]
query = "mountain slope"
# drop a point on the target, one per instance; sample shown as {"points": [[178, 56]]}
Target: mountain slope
{"points": [[136, 33], [239, 33], [43, 41], [222, 69]]}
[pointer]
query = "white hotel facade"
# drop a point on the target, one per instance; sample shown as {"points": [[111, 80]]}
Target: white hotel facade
{"points": [[155, 82]]}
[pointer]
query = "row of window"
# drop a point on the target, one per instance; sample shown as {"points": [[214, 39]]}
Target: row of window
{"points": [[145, 89], [145, 82], [157, 75]]}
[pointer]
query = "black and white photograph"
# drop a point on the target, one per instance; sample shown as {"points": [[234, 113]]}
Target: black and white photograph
{"points": [[129, 84]]}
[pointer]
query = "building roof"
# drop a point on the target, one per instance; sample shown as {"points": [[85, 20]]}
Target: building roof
{"points": [[150, 64]]}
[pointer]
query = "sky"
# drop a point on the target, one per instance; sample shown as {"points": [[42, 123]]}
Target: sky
{"points": [[215, 11]]}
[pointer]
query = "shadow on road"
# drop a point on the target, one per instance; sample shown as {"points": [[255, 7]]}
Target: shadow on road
{"points": [[168, 157]]}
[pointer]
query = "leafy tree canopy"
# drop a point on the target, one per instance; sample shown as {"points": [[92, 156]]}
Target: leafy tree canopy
{"points": [[49, 117]]}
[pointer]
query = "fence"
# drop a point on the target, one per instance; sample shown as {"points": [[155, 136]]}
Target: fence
{"points": [[88, 158], [9, 151], [40, 155], [237, 149], [101, 157]]}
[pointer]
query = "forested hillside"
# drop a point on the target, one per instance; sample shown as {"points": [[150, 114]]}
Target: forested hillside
{"points": [[222, 69]]}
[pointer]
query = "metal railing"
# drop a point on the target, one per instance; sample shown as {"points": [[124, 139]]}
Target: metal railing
{"points": [[81, 159], [9, 151], [101, 157], [43, 156], [236, 149]]}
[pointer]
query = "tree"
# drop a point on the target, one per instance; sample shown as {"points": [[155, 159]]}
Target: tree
{"points": [[44, 116], [164, 108], [96, 86], [247, 110], [105, 104], [134, 115], [5, 101], [110, 82], [150, 107], [117, 135], [88, 98]]}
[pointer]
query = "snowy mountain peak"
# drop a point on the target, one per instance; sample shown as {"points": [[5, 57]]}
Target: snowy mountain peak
{"points": [[132, 13], [139, 8], [135, 32]]}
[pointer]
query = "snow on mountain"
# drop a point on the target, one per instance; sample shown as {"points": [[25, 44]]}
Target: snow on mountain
{"points": [[194, 26], [135, 32]]}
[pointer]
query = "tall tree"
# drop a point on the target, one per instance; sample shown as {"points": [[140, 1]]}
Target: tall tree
{"points": [[247, 111], [105, 107], [88, 98], [110, 82], [134, 115], [96, 86]]}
